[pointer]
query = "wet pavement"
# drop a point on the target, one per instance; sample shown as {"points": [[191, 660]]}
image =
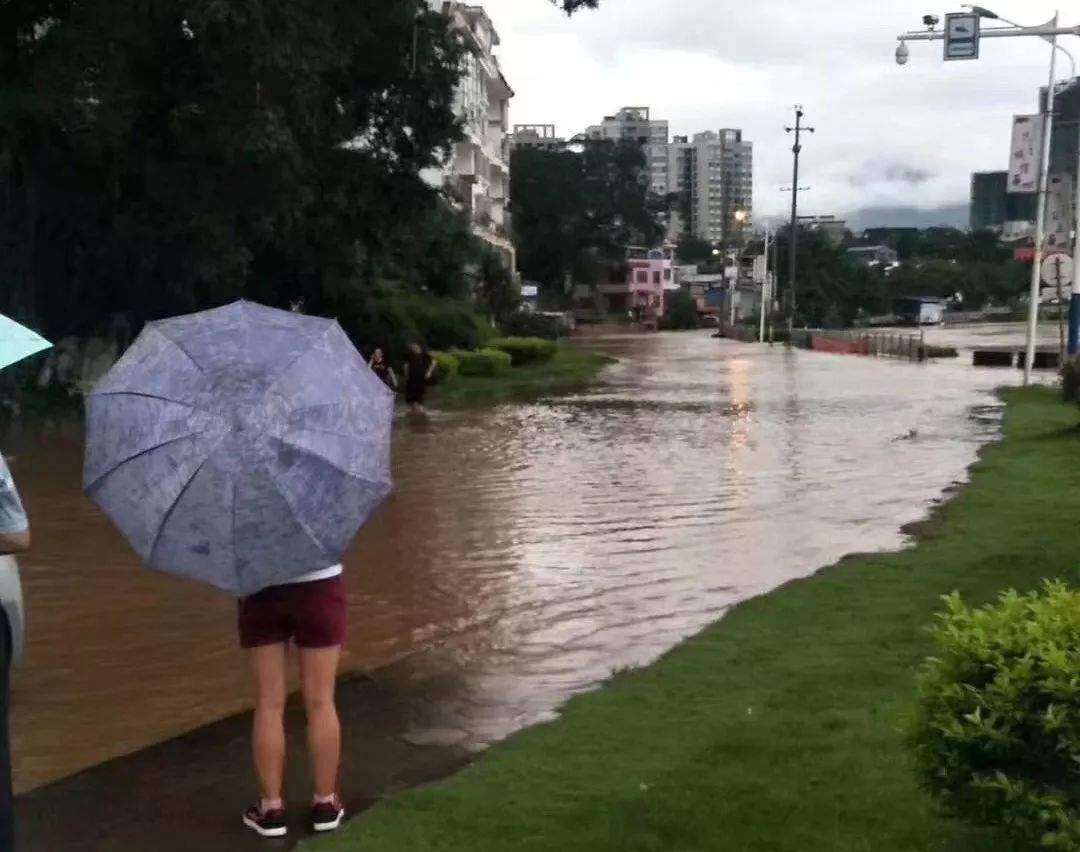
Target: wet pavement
{"points": [[529, 551], [168, 798]]}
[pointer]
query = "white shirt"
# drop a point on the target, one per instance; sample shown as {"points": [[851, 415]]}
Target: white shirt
{"points": [[314, 576]]}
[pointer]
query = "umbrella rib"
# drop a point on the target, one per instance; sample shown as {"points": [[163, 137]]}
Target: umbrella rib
{"points": [[139, 455], [294, 513], [144, 395], [172, 508], [295, 360], [308, 451], [182, 350]]}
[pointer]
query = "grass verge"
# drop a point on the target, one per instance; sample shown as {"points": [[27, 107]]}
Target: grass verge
{"points": [[568, 370], [781, 727]]}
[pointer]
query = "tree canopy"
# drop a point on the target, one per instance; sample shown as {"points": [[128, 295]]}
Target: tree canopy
{"points": [[158, 156], [576, 212]]}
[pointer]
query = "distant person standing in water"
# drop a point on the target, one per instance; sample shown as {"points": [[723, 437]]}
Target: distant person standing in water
{"points": [[381, 368], [419, 368], [14, 538]]}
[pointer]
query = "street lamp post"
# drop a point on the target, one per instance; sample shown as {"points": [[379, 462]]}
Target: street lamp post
{"points": [[1050, 31], [793, 242]]}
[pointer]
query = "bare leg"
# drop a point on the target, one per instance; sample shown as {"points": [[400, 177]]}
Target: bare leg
{"points": [[268, 727], [318, 673]]}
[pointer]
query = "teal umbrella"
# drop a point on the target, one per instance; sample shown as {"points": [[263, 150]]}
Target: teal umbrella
{"points": [[17, 342]]}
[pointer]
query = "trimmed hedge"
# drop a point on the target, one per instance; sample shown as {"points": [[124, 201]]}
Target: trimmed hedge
{"points": [[446, 366], [525, 350], [482, 362], [528, 324], [998, 729]]}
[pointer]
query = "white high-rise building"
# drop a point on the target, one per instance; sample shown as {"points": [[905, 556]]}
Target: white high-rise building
{"points": [[636, 124], [714, 176], [477, 175], [713, 173]]}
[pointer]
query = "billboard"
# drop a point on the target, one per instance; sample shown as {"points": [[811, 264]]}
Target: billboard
{"points": [[1060, 213], [1026, 154]]}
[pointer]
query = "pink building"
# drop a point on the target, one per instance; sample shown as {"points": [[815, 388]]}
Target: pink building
{"points": [[649, 276]]}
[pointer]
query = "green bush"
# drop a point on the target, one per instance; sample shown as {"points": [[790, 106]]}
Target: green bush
{"points": [[482, 362], [394, 318], [525, 350], [682, 313], [997, 734], [527, 324], [446, 366], [1070, 380]]}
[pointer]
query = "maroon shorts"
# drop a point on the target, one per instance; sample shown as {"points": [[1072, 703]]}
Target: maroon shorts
{"points": [[312, 614]]}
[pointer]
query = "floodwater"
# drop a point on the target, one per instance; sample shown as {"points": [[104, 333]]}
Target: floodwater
{"points": [[529, 550]]}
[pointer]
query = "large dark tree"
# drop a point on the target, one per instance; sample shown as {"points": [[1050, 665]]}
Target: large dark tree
{"points": [[157, 155], [575, 212]]}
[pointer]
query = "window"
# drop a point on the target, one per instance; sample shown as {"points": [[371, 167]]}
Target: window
{"points": [[667, 274], [656, 277], [642, 276]]}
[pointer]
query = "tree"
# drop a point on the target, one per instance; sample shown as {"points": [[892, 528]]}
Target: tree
{"points": [[832, 288], [158, 157], [692, 249], [498, 294], [571, 6], [576, 212], [682, 311]]}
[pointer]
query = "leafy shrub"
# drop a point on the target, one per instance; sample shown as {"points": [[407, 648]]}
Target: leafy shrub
{"points": [[525, 350], [395, 318], [446, 366], [482, 362], [998, 729], [1070, 380], [527, 324], [682, 312]]}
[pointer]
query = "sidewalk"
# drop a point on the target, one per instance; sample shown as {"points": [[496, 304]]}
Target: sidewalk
{"points": [[187, 794]]}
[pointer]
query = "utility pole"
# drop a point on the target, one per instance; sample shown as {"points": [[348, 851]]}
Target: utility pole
{"points": [[793, 243]]}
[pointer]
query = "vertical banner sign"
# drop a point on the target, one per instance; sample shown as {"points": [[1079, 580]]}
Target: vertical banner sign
{"points": [[961, 36], [1026, 153], [1059, 213]]}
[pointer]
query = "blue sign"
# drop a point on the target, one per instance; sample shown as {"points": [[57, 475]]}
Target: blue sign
{"points": [[961, 36]]}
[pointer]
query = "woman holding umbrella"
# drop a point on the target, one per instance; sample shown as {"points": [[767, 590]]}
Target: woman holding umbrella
{"points": [[245, 447]]}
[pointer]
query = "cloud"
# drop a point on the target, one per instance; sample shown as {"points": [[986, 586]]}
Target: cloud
{"points": [[885, 135]]}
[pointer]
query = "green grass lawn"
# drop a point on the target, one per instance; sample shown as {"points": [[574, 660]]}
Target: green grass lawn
{"points": [[781, 727], [570, 369]]}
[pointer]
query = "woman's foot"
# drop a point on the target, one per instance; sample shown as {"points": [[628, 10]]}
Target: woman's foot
{"points": [[327, 815], [266, 823]]}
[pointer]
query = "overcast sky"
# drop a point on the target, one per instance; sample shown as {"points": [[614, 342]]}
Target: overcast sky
{"points": [[886, 135]]}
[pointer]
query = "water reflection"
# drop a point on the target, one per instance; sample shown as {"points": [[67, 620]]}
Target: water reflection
{"points": [[529, 550]]}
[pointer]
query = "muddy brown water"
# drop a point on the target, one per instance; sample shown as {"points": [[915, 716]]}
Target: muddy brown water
{"points": [[529, 550]]}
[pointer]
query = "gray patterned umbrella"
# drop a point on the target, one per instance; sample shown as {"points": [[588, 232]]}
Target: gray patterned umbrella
{"points": [[241, 446]]}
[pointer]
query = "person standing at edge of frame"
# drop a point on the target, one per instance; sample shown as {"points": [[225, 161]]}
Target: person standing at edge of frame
{"points": [[14, 538]]}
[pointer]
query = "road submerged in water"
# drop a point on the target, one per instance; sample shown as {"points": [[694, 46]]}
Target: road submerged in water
{"points": [[529, 551]]}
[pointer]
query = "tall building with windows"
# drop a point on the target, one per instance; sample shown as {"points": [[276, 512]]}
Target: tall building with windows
{"points": [[713, 175], [477, 174], [540, 136], [636, 124]]}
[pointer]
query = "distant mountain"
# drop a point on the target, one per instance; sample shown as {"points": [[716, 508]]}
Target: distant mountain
{"points": [[948, 216]]}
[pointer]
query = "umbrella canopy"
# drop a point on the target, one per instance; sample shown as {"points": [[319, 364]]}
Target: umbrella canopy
{"points": [[242, 446], [17, 342]]}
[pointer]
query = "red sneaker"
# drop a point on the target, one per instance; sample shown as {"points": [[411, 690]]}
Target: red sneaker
{"points": [[327, 816], [266, 823]]}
